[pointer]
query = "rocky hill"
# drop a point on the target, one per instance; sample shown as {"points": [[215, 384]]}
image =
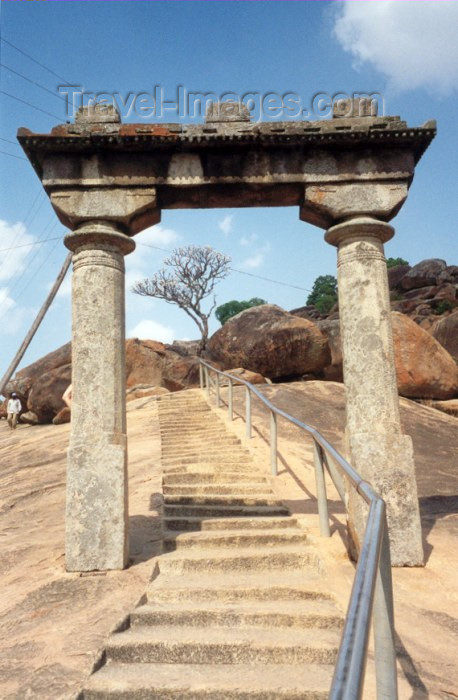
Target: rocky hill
{"points": [[282, 346]]}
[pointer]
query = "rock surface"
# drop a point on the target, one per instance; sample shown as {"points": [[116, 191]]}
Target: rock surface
{"points": [[142, 391], [247, 375], [424, 274], [54, 623], [268, 340], [150, 362], [424, 369], [64, 416], [45, 397], [445, 331]]}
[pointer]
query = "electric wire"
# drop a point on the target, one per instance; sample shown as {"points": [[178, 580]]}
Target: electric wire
{"points": [[27, 245], [29, 104], [23, 231], [15, 143], [241, 272], [12, 155], [10, 43], [34, 82]]}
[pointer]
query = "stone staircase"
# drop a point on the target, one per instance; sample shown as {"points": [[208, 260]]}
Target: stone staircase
{"points": [[238, 608]]}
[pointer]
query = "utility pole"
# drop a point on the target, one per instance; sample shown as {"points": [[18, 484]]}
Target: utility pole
{"points": [[35, 325]]}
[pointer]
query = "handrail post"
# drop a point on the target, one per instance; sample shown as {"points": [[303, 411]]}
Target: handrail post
{"points": [[201, 376], [248, 412], [321, 490], [207, 381], [273, 443], [217, 398], [383, 616], [229, 401]]}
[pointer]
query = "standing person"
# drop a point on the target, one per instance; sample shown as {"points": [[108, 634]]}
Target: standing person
{"points": [[13, 410]]}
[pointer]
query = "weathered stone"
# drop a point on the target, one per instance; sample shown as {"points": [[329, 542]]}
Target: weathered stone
{"points": [[149, 362], [331, 170], [354, 107], [331, 329], [30, 418], [421, 293], [450, 274], [450, 407], [64, 416], [395, 275], [251, 377], [185, 348], [377, 449], [96, 524], [270, 341], [228, 111], [45, 397], [445, 330], [143, 391], [309, 312], [424, 369], [424, 274], [447, 292], [23, 380], [98, 113]]}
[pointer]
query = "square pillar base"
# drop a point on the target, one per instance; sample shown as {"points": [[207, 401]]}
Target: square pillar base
{"points": [[386, 462], [97, 512]]}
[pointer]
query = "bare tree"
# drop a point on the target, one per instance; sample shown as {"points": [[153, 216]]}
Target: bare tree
{"points": [[193, 273]]}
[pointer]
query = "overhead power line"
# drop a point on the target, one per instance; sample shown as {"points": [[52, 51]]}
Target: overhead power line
{"points": [[11, 155], [15, 143], [29, 104], [10, 43], [34, 82], [27, 245], [241, 272]]}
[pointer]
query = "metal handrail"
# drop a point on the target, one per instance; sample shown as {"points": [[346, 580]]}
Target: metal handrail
{"points": [[371, 597]]}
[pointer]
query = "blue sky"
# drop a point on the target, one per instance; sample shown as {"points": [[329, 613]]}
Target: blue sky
{"points": [[406, 51]]}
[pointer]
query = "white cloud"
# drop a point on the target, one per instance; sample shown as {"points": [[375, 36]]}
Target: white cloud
{"points": [[256, 260], [151, 330], [157, 236], [65, 289], [225, 225], [413, 45], [13, 261], [248, 240], [12, 316]]}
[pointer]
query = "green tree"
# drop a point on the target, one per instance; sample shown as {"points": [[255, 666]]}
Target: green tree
{"points": [[231, 308], [324, 293], [394, 262]]}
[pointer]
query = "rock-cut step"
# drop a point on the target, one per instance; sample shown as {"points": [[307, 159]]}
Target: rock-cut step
{"points": [[239, 539], [207, 681], [239, 609], [231, 645], [194, 524]]}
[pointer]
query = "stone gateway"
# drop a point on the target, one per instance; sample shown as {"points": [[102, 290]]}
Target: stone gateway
{"points": [[108, 181]]}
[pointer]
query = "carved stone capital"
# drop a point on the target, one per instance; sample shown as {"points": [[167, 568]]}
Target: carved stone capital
{"points": [[359, 227], [131, 208], [327, 204], [98, 240]]}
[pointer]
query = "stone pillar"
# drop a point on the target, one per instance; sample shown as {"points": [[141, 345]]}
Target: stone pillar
{"points": [[97, 509], [377, 448]]}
